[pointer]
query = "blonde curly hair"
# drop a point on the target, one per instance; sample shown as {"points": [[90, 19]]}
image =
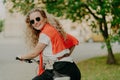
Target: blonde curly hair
{"points": [[32, 35]]}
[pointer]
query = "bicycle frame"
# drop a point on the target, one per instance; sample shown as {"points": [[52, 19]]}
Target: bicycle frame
{"points": [[57, 76]]}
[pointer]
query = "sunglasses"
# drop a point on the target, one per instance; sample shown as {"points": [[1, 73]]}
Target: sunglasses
{"points": [[37, 19]]}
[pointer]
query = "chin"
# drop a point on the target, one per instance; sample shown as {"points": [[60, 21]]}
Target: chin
{"points": [[38, 29]]}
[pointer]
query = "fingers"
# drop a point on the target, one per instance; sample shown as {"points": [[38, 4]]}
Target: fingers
{"points": [[26, 60]]}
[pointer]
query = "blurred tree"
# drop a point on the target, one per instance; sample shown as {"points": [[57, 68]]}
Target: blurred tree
{"points": [[22, 6], [1, 25], [105, 13]]}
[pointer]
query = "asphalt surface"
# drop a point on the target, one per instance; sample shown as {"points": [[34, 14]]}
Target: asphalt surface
{"points": [[10, 69]]}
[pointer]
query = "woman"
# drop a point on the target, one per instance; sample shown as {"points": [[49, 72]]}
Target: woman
{"points": [[52, 45]]}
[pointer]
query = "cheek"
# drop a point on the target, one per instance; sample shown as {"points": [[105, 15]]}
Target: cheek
{"points": [[42, 20]]}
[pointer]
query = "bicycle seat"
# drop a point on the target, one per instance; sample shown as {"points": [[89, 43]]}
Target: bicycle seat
{"points": [[59, 76]]}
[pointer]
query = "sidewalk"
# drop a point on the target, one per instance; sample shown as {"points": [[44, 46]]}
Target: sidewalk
{"points": [[10, 39], [10, 69]]}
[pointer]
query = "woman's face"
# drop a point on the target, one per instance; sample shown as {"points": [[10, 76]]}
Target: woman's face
{"points": [[37, 21]]}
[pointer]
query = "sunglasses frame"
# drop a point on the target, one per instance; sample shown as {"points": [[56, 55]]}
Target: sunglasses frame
{"points": [[33, 20]]}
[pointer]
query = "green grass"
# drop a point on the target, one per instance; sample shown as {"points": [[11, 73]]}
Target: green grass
{"points": [[97, 69]]}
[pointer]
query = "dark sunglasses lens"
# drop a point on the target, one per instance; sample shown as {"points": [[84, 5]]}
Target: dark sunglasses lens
{"points": [[38, 19], [31, 21]]}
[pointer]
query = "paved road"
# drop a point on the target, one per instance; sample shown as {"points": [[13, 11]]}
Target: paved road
{"points": [[10, 69]]}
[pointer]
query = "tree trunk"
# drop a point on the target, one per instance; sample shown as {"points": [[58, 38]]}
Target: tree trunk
{"points": [[104, 30], [110, 58]]}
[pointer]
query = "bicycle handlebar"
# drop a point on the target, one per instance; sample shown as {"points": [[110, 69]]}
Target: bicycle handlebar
{"points": [[28, 60]]}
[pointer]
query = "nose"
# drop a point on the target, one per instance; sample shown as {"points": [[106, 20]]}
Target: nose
{"points": [[35, 22]]}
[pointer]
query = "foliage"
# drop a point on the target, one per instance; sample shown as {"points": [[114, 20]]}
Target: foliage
{"points": [[22, 6], [101, 14], [78, 10], [1, 25], [105, 13], [97, 69]]}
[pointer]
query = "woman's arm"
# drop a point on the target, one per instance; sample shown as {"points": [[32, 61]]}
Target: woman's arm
{"points": [[71, 49], [35, 52]]}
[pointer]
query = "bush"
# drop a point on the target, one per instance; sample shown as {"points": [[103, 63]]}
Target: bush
{"points": [[1, 25]]}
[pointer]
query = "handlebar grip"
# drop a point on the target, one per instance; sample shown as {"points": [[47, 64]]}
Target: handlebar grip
{"points": [[26, 60], [17, 58]]}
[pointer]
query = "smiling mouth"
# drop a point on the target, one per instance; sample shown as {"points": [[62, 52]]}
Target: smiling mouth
{"points": [[37, 25]]}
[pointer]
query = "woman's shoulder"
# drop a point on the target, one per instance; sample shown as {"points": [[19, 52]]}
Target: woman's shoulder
{"points": [[49, 30]]}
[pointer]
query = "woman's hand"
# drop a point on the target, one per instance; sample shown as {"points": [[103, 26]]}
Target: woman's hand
{"points": [[71, 49]]}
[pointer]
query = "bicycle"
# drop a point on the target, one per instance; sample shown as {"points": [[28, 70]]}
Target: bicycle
{"points": [[57, 75]]}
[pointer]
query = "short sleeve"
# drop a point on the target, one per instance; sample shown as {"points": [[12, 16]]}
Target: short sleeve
{"points": [[43, 38]]}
